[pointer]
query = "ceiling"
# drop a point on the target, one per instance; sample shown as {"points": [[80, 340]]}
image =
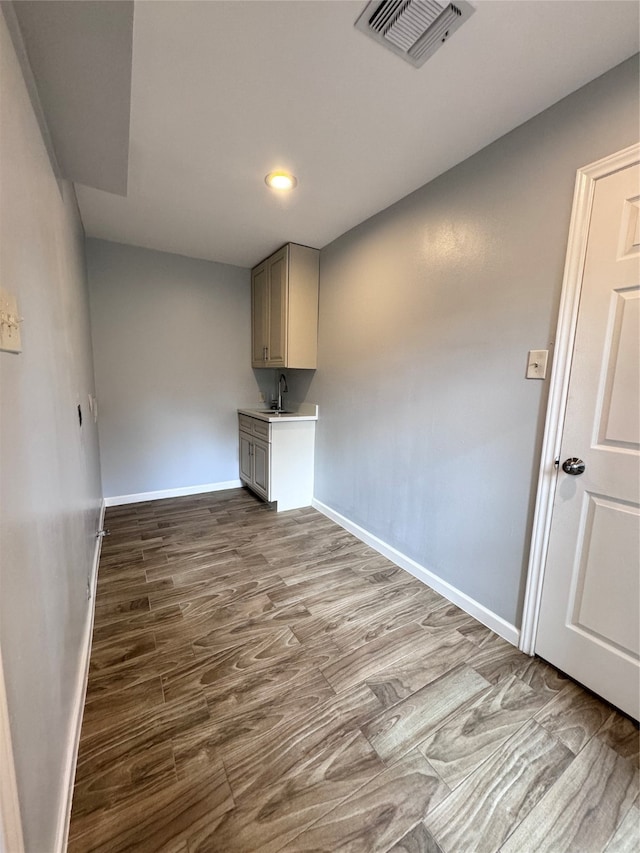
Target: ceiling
{"points": [[224, 92]]}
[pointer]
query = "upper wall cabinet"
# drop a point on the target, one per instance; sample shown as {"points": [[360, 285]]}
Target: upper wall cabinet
{"points": [[284, 308]]}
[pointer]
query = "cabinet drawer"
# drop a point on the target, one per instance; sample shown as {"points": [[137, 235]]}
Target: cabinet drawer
{"points": [[254, 426], [245, 422], [261, 428]]}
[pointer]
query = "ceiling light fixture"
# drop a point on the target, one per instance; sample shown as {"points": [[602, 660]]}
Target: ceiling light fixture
{"points": [[280, 180]]}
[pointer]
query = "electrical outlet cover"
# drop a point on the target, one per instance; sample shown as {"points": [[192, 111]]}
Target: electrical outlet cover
{"points": [[537, 364]]}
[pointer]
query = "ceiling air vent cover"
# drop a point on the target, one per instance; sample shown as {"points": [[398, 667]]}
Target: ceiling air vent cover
{"points": [[414, 29]]}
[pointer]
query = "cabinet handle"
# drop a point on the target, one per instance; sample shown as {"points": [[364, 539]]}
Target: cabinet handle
{"points": [[265, 350]]}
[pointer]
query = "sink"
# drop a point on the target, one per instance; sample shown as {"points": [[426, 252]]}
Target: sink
{"points": [[273, 412]]}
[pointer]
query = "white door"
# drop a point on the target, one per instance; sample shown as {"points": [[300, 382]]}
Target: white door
{"points": [[589, 622]]}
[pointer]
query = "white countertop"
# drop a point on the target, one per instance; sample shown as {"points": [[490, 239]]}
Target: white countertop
{"points": [[303, 412]]}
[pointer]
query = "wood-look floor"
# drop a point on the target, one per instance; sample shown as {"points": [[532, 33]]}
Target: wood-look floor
{"points": [[266, 682]]}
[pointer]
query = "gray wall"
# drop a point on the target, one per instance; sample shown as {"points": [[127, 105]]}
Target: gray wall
{"points": [[429, 435], [50, 484], [171, 338]]}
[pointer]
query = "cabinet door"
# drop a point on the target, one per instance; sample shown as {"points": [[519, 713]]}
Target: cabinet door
{"points": [[277, 335], [259, 315], [261, 467], [245, 458]]}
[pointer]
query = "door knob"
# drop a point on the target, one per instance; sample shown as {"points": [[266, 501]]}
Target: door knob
{"points": [[573, 466]]}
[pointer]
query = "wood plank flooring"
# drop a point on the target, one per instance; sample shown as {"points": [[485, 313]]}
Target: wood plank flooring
{"points": [[266, 682]]}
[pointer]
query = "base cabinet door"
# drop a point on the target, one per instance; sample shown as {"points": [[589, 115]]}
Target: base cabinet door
{"points": [[261, 468], [255, 455], [245, 457]]}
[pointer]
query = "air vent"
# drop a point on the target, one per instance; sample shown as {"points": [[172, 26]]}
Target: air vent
{"points": [[414, 29]]}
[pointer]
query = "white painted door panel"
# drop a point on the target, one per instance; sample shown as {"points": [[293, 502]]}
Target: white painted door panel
{"points": [[589, 622]]}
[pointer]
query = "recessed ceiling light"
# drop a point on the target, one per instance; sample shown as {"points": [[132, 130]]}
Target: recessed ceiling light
{"points": [[280, 180]]}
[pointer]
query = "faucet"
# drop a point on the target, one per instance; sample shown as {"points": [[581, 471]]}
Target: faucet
{"points": [[282, 389]]}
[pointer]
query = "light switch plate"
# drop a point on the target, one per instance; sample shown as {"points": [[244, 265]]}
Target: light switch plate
{"points": [[9, 323], [537, 363]]}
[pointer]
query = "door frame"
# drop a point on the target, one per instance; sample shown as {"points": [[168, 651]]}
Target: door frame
{"points": [[586, 179], [11, 840]]}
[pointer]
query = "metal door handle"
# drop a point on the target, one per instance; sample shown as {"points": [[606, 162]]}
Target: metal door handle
{"points": [[573, 465]]}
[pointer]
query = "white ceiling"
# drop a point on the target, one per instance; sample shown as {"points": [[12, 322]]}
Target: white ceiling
{"points": [[224, 92], [79, 56]]}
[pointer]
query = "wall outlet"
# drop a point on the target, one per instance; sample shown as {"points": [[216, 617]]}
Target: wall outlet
{"points": [[262, 397]]}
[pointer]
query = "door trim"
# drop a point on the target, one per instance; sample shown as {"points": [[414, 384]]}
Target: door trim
{"points": [[586, 180], [10, 823]]}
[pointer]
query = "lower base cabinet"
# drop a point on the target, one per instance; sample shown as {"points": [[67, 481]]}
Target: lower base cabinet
{"points": [[276, 460]]}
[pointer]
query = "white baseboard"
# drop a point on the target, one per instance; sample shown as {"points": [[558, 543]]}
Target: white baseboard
{"points": [[505, 629], [120, 500], [64, 817]]}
